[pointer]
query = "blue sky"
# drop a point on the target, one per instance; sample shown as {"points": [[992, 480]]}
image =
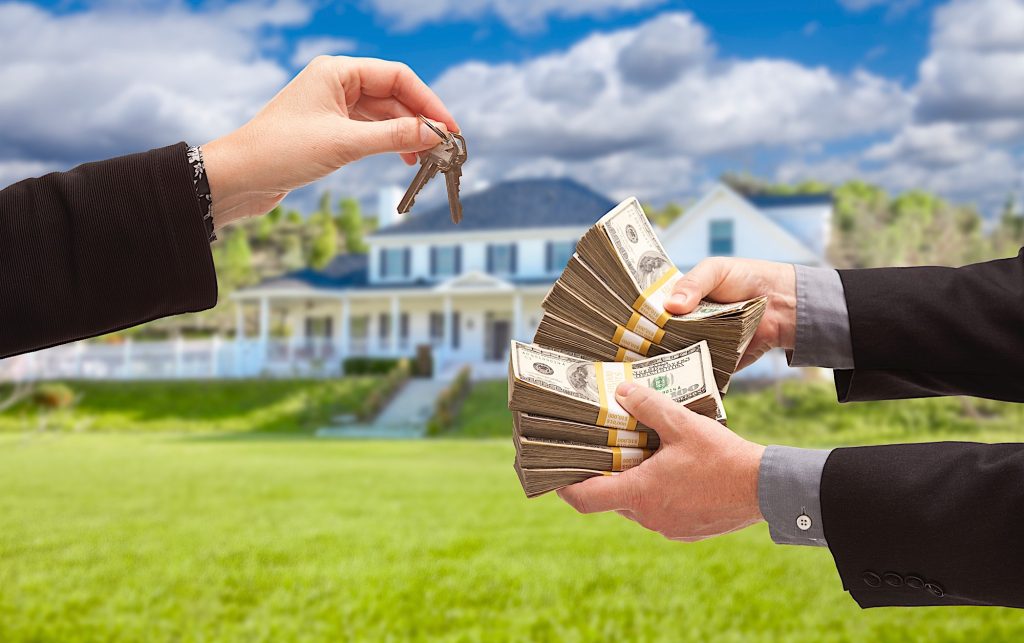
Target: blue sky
{"points": [[646, 97]]}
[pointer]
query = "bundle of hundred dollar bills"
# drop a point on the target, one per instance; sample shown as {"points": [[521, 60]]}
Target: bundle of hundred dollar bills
{"points": [[604, 323]]}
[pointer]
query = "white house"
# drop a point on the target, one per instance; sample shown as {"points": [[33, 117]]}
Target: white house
{"points": [[466, 290], [463, 290]]}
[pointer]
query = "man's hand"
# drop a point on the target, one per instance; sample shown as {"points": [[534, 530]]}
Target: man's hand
{"points": [[335, 111], [728, 280], [702, 481]]}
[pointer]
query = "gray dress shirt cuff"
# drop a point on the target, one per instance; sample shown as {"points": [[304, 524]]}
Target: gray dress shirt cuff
{"points": [[822, 320], [788, 492]]}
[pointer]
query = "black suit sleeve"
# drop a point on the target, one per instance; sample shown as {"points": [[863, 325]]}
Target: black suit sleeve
{"points": [[927, 524], [925, 331], [102, 247]]}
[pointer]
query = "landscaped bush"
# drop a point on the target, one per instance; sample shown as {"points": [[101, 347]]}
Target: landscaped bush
{"points": [[52, 397], [378, 398], [449, 402], [370, 365]]}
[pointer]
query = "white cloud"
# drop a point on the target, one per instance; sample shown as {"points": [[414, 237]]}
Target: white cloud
{"points": [[895, 7], [309, 48], [520, 16], [975, 69], [112, 80], [595, 111]]}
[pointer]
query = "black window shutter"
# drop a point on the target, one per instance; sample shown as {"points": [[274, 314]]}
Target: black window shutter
{"points": [[490, 258], [549, 260], [381, 265], [407, 262], [512, 251], [433, 260], [309, 327], [404, 328], [330, 327], [458, 260], [455, 329]]}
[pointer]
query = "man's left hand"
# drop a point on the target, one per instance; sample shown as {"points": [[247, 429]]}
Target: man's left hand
{"points": [[702, 482]]}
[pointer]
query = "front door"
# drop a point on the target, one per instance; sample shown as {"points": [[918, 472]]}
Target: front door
{"points": [[501, 335]]}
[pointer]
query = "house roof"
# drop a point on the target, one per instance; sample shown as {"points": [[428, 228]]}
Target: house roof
{"points": [[525, 203], [767, 201]]}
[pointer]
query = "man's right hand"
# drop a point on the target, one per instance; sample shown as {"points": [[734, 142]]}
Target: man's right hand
{"points": [[729, 280]]}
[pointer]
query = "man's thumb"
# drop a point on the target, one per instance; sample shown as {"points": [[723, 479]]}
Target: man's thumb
{"points": [[404, 134], [653, 409]]}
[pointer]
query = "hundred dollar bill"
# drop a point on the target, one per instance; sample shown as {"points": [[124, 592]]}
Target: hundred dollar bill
{"points": [[562, 385], [634, 246]]}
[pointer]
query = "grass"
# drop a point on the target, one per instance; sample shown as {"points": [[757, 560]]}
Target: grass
{"points": [[199, 406], [159, 536]]}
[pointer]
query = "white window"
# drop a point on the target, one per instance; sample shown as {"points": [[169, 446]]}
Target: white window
{"points": [[558, 253], [501, 259], [445, 260], [394, 263]]}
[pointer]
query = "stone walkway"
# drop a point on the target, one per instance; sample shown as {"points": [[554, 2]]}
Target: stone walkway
{"points": [[405, 417]]}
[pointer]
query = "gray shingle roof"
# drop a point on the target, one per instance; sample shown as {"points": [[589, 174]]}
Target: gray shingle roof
{"points": [[513, 205]]}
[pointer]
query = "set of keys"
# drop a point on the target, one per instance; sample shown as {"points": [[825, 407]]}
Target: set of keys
{"points": [[446, 157]]}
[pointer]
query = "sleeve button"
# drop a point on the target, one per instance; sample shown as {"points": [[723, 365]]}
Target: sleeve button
{"points": [[871, 579], [803, 522], [913, 582], [934, 589], [892, 579]]}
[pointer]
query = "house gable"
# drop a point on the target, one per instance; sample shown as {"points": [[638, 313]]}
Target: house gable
{"points": [[755, 235]]}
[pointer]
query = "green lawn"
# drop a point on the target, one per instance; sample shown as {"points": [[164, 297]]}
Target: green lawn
{"points": [[199, 406], [152, 536]]}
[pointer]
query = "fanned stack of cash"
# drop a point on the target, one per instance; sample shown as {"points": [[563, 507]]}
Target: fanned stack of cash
{"points": [[568, 424], [609, 302]]}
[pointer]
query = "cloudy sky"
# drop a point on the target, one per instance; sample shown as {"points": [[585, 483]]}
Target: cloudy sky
{"points": [[649, 97]]}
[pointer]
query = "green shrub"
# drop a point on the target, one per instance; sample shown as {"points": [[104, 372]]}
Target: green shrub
{"points": [[375, 401], [52, 397], [446, 409], [370, 365]]}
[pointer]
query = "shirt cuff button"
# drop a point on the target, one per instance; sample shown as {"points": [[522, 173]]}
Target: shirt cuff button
{"points": [[803, 522]]}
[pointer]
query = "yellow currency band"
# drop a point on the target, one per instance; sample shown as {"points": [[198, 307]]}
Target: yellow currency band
{"points": [[634, 322], [645, 344], [604, 394], [616, 459], [626, 355], [614, 435], [653, 288]]}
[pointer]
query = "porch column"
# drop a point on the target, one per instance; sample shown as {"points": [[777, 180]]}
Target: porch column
{"points": [[446, 343], [345, 329], [264, 330], [394, 324], [517, 316], [239, 337]]}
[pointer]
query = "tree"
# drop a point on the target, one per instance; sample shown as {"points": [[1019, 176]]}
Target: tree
{"points": [[294, 217], [350, 221], [325, 243], [235, 267], [291, 254]]}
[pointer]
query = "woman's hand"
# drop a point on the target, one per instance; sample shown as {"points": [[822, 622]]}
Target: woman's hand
{"points": [[335, 111]]}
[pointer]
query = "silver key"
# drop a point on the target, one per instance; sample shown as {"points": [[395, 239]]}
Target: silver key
{"points": [[447, 157]]}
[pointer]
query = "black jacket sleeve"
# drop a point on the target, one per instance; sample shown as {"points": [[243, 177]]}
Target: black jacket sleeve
{"points": [[102, 247], [925, 331], [927, 524]]}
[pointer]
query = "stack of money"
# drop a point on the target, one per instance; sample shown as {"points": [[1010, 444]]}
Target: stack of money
{"points": [[568, 424], [614, 289]]}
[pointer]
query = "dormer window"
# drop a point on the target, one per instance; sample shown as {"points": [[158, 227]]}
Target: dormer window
{"points": [[394, 263], [501, 259], [445, 261]]}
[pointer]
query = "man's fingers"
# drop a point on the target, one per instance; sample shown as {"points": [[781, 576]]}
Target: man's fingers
{"points": [[386, 79], [654, 409], [406, 134], [602, 493], [694, 286]]}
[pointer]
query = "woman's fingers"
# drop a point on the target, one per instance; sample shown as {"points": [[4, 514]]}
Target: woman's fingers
{"points": [[386, 79]]}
